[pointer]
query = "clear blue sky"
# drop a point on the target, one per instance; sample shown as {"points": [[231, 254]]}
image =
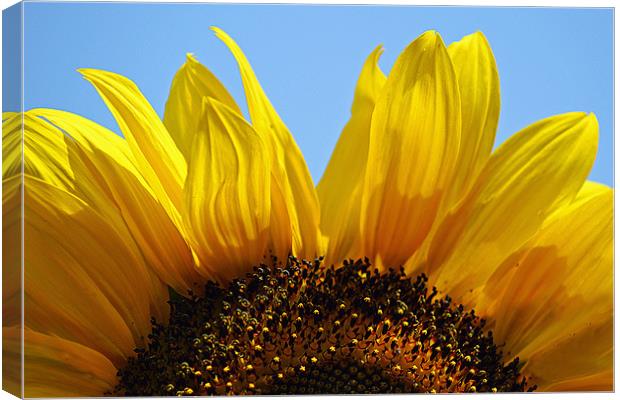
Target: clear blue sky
{"points": [[308, 58]]}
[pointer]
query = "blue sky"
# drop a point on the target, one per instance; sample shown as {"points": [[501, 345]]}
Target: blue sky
{"points": [[308, 58]]}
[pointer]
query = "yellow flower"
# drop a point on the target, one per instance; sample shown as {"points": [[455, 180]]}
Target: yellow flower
{"points": [[116, 227]]}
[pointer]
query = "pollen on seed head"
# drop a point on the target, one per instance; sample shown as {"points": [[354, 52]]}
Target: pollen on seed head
{"points": [[302, 328]]}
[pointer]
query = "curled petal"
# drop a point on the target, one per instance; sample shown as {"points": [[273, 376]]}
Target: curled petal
{"points": [[479, 87], [190, 85], [340, 187], [228, 192], [414, 139], [289, 168], [157, 157]]}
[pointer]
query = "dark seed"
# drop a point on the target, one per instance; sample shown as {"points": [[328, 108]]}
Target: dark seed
{"points": [[301, 328]]}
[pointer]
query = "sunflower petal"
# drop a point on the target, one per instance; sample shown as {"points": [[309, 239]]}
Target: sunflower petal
{"points": [[340, 187], [45, 154], [414, 139], [12, 134], [156, 154], [228, 192], [601, 382], [11, 253], [530, 175], [556, 313], [478, 80], [590, 189], [582, 362], [290, 169], [55, 367], [8, 115], [107, 179], [12, 360], [11, 283], [280, 234], [190, 84], [81, 281]]}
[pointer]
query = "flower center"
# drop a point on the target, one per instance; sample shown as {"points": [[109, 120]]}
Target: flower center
{"points": [[303, 328]]}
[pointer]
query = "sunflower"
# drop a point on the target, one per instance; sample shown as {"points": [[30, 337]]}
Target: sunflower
{"points": [[194, 255]]}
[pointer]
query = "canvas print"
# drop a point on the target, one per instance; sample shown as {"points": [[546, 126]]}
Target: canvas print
{"points": [[226, 199]]}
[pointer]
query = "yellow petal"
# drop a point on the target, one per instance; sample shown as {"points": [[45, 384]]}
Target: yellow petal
{"points": [[280, 227], [290, 169], [414, 138], [8, 115], [12, 131], [583, 362], [55, 367], [530, 175], [601, 382], [339, 190], [107, 178], [44, 151], [12, 360], [556, 312], [158, 159], [478, 80], [590, 189], [11, 282], [190, 84], [81, 282], [228, 192], [11, 250]]}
